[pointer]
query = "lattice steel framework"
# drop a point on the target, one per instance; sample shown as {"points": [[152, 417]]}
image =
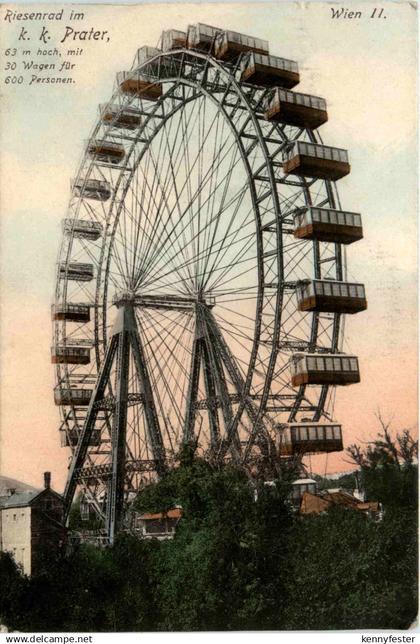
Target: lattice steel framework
{"points": [[191, 245]]}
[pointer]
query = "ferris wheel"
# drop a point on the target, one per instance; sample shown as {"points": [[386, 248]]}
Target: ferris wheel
{"points": [[201, 280]]}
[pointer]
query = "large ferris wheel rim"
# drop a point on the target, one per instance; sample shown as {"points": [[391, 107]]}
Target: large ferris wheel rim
{"points": [[230, 81], [238, 86], [101, 302]]}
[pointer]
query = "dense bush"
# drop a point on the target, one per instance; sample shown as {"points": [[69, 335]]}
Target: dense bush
{"points": [[236, 562]]}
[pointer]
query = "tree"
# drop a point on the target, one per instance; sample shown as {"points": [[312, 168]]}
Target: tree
{"points": [[12, 587], [389, 468], [229, 547]]}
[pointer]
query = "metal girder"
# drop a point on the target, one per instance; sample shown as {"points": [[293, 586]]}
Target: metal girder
{"points": [[108, 403], [210, 386], [237, 380], [165, 301], [190, 410], [115, 499], [103, 472], [152, 421], [216, 366], [124, 338], [92, 412]]}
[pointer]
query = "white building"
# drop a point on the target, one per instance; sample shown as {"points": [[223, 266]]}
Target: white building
{"points": [[31, 527]]}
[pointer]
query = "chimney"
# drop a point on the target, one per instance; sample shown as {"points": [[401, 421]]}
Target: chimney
{"points": [[47, 480]]}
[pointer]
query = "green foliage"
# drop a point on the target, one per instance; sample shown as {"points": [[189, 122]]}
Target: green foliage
{"points": [[75, 519], [226, 548], [12, 587], [240, 560], [346, 481], [395, 487], [389, 473], [349, 572]]}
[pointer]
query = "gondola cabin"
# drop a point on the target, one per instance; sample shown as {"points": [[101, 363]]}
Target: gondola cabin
{"points": [[324, 369], [106, 151], [71, 437], [299, 487], [76, 271], [92, 189], [293, 108], [201, 36], [82, 228], [145, 54], [71, 312], [140, 85], [74, 396], [173, 39], [261, 69], [230, 44], [329, 225], [311, 438], [315, 160], [61, 354], [149, 60], [330, 296], [126, 118]]}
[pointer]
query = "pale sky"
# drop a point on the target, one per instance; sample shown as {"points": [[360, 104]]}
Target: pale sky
{"points": [[366, 70]]}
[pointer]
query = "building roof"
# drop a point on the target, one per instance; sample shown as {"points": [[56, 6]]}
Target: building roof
{"points": [[317, 503], [175, 513], [19, 499], [22, 499]]}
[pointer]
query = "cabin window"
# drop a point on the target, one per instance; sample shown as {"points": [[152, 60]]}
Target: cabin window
{"points": [[328, 433], [353, 364], [336, 290], [360, 291], [346, 364], [337, 433], [303, 433], [289, 96], [343, 290], [318, 288], [312, 433], [320, 364], [341, 218], [327, 288], [352, 290], [337, 364], [311, 364], [329, 364]]}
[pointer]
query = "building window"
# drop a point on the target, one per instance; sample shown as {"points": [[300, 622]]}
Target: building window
{"points": [[14, 517]]}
